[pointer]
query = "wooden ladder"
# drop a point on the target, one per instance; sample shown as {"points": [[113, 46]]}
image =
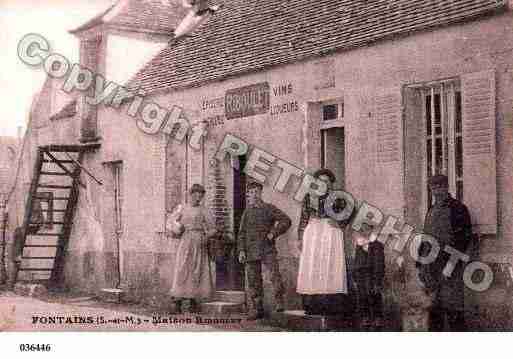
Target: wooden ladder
{"points": [[56, 178]]}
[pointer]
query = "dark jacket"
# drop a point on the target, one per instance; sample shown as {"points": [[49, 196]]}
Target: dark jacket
{"points": [[369, 268], [456, 231], [256, 223], [308, 211]]}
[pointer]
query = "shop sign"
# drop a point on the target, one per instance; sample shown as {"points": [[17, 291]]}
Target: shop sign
{"points": [[247, 101]]}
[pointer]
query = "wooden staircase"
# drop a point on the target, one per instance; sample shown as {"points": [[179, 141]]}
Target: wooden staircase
{"points": [[56, 178]]}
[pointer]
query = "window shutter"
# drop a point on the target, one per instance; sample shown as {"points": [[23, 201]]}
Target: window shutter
{"points": [[479, 156], [196, 157], [387, 122], [413, 161], [311, 137], [175, 170]]}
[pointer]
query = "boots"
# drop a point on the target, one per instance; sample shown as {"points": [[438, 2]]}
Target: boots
{"points": [[194, 306], [178, 306], [257, 312]]}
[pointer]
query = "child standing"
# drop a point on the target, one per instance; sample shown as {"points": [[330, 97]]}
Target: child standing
{"points": [[369, 272]]}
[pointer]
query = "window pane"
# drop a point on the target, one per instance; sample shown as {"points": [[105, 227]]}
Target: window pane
{"points": [[428, 115], [329, 112], [458, 111], [459, 156]]}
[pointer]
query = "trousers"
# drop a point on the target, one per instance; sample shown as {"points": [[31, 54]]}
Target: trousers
{"points": [[370, 305], [255, 282], [455, 319]]}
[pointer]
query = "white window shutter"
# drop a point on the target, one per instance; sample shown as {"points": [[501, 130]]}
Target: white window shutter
{"points": [[311, 137], [414, 150], [479, 153], [386, 180]]}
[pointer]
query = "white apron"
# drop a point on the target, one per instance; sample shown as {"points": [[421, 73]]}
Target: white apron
{"points": [[322, 265]]}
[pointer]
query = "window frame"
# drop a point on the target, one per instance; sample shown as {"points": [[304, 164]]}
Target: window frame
{"points": [[450, 87], [339, 121], [329, 124]]}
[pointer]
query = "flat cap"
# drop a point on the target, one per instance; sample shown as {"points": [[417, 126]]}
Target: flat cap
{"points": [[325, 172], [254, 184]]}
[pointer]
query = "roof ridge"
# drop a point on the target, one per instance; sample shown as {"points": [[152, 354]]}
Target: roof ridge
{"points": [[248, 35], [155, 15]]}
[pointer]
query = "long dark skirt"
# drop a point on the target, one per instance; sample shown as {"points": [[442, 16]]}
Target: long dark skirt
{"points": [[328, 304]]}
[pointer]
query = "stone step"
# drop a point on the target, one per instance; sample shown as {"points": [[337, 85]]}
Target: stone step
{"points": [[221, 308], [232, 296], [111, 295], [297, 320]]}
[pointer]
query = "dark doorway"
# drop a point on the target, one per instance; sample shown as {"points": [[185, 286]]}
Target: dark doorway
{"points": [[230, 273]]}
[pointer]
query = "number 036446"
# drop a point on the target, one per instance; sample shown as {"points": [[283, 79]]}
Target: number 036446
{"points": [[35, 347]]}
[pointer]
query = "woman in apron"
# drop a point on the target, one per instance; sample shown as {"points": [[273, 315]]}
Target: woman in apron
{"points": [[192, 278], [325, 255]]}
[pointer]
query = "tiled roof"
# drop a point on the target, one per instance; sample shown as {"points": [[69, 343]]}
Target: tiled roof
{"points": [[250, 35], [160, 16]]}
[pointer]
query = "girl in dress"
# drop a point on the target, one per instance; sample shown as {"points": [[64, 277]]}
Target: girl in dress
{"points": [[325, 255], [192, 278]]}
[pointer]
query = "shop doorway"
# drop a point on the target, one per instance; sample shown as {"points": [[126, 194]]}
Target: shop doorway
{"points": [[229, 272]]}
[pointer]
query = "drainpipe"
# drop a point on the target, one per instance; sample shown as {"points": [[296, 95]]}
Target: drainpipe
{"points": [[90, 51], [120, 259], [3, 244]]}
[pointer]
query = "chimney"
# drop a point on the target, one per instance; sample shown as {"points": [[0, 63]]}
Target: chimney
{"points": [[89, 58]]}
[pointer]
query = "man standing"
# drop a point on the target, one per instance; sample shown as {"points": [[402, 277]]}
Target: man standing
{"points": [[261, 224], [448, 221]]}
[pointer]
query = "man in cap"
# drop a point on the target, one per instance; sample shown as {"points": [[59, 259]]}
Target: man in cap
{"points": [[261, 224], [448, 221]]}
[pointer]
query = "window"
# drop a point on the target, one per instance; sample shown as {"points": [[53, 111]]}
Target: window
{"points": [[117, 171], [331, 112], [442, 119], [332, 140]]}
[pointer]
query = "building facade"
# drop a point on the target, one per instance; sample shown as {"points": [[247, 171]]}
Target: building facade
{"points": [[384, 94]]}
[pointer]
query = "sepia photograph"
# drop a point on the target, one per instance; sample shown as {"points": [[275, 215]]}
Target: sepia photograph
{"points": [[256, 166]]}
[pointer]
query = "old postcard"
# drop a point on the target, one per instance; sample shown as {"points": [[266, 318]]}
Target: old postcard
{"points": [[256, 165]]}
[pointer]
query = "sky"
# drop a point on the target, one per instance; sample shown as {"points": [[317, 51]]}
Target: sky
{"points": [[50, 18]]}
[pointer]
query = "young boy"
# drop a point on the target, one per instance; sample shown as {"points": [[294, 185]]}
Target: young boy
{"points": [[369, 272], [261, 224]]}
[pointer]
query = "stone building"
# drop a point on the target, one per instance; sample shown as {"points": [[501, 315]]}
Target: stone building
{"points": [[384, 93]]}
